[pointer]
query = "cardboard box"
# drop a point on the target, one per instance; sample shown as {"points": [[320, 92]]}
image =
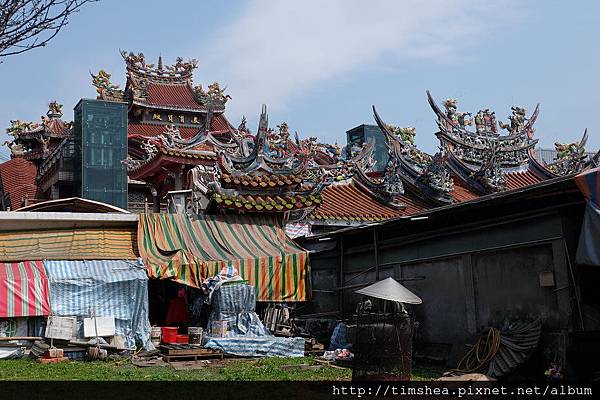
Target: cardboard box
{"points": [[218, 328]]}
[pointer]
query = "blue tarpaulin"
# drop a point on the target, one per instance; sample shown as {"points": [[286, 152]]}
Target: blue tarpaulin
{"points": [[117, 288], [588, 249], [246, 335]]}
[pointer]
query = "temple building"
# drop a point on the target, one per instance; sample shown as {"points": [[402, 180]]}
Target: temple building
{"points": [[33, 144], [470, 164], [163, 144]]}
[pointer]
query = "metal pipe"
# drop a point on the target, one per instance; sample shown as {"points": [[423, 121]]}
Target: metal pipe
{"points": [[460, 253], [406, 240], [361, 273]]}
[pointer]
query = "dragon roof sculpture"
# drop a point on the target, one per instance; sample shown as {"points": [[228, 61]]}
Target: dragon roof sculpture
{"points": [[426, 175], [571, 158], [34, 140], [485, 154]]}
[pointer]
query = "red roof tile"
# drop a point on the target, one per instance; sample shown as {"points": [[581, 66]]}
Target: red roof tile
{"points": [[413, 204], [155, 130], [220, 123], [174, 95], [57, 126], [515, 180], [18, 181], [461, 192], [345, 201]]}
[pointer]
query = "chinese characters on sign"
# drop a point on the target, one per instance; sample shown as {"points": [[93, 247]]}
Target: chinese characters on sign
{"points": [[182, 119]]}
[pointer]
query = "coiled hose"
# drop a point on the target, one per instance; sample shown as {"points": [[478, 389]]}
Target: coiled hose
{"points": [[481, 353]]}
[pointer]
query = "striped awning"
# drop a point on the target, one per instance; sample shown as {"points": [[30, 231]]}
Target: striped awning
{"points": [[188, 250], [69, 244], [23, 289]]}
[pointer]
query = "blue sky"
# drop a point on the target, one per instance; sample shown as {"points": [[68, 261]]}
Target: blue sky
{"points": [[321, 65]]}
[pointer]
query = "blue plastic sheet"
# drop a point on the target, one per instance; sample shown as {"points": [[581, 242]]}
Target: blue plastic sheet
{"points": [[117, 288], [246, 335]]}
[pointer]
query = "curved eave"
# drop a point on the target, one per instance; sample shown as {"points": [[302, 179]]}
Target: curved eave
{"points": [[540, 168], [259, 165], [164, 160], [272, 203], [411, 178], [459, 168], [198, 110], [262, 182]]}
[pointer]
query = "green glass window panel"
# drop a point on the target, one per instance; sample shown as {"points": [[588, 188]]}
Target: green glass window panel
{"points": [[365, 134], [101, 134]]}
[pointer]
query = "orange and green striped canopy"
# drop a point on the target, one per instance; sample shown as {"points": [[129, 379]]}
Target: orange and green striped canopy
{"points": [[104, 243], [188, 250]]}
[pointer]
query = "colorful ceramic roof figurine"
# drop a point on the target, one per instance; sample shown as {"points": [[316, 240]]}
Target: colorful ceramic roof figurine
{"points": [[469, 164], [35, 140]]}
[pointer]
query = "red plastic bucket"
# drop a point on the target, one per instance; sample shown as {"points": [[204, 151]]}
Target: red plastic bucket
{"points": [[169, 334], [182, 338]]}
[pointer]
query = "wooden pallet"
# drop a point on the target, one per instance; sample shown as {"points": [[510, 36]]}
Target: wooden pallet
{"points": [[189, 352], [193, 357], [183, 349]]}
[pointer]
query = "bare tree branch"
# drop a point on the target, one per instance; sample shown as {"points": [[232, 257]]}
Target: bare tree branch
{"points": [[29, 24]]}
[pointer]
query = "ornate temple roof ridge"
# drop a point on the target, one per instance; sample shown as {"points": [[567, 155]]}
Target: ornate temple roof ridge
{"points": [[570, 158], [485, 156], [454, 132], [168, 87], [427, 175], [180, 72], [34, 140]]}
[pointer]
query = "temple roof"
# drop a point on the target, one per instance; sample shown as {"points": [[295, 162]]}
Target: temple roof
{"points": [[469, 165], [344, 201], [219, 124], [197, 150], [515, 180], [158, 86], [154, 130], [17, 177], [179, 96], [35, 140]]}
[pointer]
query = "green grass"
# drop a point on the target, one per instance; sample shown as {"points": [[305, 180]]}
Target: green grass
{"points": [[235, 369]]}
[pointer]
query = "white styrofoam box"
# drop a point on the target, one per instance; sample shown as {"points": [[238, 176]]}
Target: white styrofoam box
{"points": [[106, 326]]}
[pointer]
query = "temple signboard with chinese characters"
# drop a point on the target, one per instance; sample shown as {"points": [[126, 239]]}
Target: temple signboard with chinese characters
{"points": [[170, 118]]}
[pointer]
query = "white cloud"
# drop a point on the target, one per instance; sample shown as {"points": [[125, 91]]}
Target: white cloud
{"points": [[275, 51]]}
